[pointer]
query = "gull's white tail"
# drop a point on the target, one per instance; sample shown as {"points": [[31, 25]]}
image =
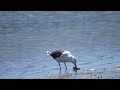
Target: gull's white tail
{"points": [[48, 52]]}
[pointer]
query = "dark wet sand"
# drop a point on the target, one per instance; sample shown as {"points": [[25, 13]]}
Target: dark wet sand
{"points": [[102, 73]]}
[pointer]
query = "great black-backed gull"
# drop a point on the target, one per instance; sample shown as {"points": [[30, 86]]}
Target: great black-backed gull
{"points": [[63, 56]]}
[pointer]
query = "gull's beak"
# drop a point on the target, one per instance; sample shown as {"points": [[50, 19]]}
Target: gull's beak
{"points": [[75, 68]]}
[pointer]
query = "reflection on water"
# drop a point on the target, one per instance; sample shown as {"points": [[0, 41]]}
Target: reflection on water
{"points": [[67, 74], [75, 70]]}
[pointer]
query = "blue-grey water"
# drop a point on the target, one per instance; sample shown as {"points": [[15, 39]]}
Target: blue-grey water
{"points": [[93, 37]]}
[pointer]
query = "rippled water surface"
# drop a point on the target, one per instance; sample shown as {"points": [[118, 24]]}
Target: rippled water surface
{"points": [[93, 37]]}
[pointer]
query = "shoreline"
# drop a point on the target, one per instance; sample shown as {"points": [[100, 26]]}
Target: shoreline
{"points": [[101, 73]]}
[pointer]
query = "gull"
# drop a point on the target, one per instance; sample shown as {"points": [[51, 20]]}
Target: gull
{"points": [[63, 56]]}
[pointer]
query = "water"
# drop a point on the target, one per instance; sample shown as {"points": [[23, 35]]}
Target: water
{"points": [[93, 37]]}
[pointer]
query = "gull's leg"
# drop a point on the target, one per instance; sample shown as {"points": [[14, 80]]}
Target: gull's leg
{"points": [[65, 65], [59, 66]]}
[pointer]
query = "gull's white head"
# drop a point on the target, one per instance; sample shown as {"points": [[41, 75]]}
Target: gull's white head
{"points": [[48, 52]]}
